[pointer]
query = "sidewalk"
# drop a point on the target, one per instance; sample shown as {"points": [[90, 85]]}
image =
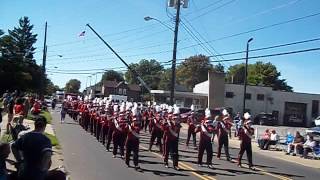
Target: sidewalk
{"points": [[57, 157], [235, 143]]}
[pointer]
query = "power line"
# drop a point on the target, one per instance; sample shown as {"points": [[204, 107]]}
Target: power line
{"points": [[272, 55], [254, 30], [219, 7]]}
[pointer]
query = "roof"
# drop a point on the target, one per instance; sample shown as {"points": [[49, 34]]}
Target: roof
{"points": [[111, 84], [134, 87], [181, 88]]}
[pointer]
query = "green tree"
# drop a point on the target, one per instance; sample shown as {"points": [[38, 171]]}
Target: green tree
{"points": [[18, 69], [73, 86], [193, 70], [112, 75], [149, 70], [50, 87], [165, 82], [260, 73]]}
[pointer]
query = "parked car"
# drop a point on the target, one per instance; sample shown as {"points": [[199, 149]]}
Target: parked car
{"points": [[265, 119]]}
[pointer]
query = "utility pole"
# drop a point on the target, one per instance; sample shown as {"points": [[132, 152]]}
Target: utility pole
{"points": [[134, 72], [174, 55], [44, 60], [245, 77]]}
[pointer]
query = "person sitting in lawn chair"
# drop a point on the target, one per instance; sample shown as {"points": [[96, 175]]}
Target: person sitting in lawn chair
{"points": [[308, 146], [297, 145]]}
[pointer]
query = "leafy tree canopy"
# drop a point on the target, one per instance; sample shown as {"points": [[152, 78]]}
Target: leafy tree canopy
{"points": [[193, 70], [112, 75], [73, 86], [260, 73], [149, 70]]}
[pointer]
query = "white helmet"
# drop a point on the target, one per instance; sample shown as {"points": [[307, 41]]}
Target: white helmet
{"points": [[247, 116], [225, 112]]}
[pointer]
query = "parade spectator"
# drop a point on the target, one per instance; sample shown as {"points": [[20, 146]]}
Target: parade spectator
{"points": [[297, 145], [19, 110], [308, 146], [10, 107], [4, 153], [33, 152], [265, 138], [36, 108], [274, 138], [237, 121], [63, 111], [26, 105]]}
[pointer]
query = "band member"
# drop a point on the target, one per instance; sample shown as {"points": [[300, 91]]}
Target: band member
{"points": [[223, 130], [156, 131], [206, 129], [191, 128], [171, 130], [105, 124], [132, 141], [119, 134], [112, 125], [245, 135]]}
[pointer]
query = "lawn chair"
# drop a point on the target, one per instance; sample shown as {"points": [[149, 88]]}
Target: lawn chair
{"points": [[284, 144], [316, 151]]}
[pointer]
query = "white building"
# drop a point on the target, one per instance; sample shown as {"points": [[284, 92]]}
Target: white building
{"points": [[289, 108]]}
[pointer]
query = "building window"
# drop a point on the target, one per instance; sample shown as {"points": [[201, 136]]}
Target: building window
{"points": [[124, 91], [260, 97], [120, 90], [248, 96], [229, 94]]}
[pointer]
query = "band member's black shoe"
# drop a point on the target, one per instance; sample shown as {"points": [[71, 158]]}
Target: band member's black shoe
{"points": [[176, 168], [210, 166]]}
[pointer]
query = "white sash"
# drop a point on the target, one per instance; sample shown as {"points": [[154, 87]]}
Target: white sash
{"points": [[133, 132], [224, 127], [117, 125], [247, 133], [172, 132], [204, 130], [157, 124]]}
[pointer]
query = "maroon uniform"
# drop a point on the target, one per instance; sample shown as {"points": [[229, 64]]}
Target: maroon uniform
{"points": [[191, 130], [132, 143], [245, 135], [171, 141], [223, 129], [156, 132], [119, 135], [205, 143]]}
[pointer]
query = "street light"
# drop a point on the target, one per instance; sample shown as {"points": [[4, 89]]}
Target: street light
{"points": [[175, 45], [245, 76], [148, 18]]}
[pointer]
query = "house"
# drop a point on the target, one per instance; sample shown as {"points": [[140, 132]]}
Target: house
{"points": [[132, 91]]}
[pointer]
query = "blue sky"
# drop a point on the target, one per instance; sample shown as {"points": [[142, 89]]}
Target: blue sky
{"points": [[122, 25]]}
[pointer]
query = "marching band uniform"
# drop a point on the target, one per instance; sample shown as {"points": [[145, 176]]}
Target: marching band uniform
{"points": [[191, 128], [171, 130], [245, 135], [132, 141], [223, 128], [156, 131], [119, 134], [111, 126], [206, 129]]}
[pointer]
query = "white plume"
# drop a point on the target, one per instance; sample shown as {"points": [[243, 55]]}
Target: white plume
{"points": [[247, 115], [225, 112], [207, 113]]}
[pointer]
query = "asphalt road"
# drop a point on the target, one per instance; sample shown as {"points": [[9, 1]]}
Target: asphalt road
{"points": [[86, 159]]}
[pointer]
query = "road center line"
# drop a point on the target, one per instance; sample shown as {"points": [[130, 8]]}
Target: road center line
{"points": [[185, 166]]}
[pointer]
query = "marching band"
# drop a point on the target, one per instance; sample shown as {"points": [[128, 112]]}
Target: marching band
{"points": [[120, 124]]}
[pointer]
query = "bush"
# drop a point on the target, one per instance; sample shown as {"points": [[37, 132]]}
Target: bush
{"points": [[54, 141]]}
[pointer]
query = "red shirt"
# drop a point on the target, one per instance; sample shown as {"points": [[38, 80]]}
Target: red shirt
{"points": [[18, 109]]}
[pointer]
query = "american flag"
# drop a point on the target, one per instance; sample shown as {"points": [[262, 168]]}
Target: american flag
{"points": [[82, 33]]}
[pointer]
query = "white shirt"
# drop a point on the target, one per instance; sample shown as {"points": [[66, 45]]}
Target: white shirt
{"points": [[274, 137], [310, 144]]}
